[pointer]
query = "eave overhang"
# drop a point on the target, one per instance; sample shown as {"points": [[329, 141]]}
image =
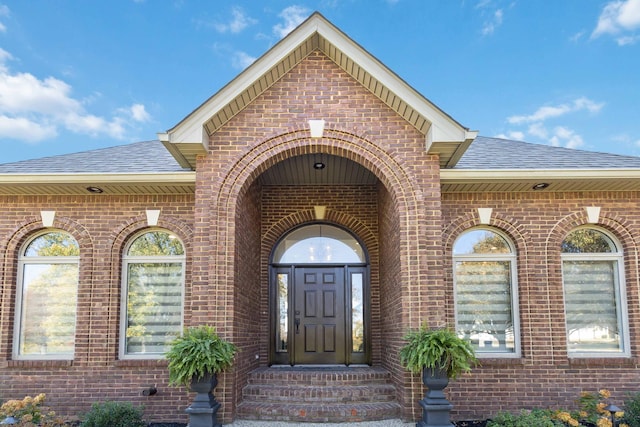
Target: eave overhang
{"points": [[110, 184], [443, 135], [523, 180]]}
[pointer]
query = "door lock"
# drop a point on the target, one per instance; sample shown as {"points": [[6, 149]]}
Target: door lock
{"points": [[297, 323]]}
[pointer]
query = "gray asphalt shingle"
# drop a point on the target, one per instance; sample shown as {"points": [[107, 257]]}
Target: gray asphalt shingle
{"points": [[147, 156], [484, 153], [496, 153]]}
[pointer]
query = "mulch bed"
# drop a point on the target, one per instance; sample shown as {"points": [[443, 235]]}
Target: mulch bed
{"points": [[475, 423]]}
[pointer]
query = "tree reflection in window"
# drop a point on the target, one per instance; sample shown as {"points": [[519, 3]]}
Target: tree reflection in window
{"points": [[47, 297], [154, 267], [594, 303], [484, 266]]}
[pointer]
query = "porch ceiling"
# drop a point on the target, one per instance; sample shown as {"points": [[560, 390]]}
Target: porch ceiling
{"points": [[299, 170]]}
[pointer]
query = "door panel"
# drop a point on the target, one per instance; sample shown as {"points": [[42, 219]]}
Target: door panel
{"points": [[319, 315]]}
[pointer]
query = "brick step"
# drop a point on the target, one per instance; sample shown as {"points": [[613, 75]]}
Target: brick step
{"points": [[321, 376], [304, 393], [318, 413], [310, 394]]}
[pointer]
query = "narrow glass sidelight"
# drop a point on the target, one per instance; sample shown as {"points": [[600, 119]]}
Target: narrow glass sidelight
{"points": [[282, 330], [357, 312]]}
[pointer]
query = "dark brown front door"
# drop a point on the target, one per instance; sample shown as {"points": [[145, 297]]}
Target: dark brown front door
{"points": [[319, 315]]}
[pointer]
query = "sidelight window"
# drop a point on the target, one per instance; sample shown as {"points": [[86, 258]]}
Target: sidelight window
{"points": [[594, 296], [486, 292], [46, 297], [152, 297]]}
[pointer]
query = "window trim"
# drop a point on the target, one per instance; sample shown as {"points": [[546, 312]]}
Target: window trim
{"points": [[22, 262], [620, 291], [124, 289], [511, 257]]}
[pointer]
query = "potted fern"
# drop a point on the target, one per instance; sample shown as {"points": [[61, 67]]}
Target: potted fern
{"points": [[195, 359], [440, 354]]}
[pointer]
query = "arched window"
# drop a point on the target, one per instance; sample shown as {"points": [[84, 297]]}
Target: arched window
{"points": [[594, 297], [46, 297], [486, 292], [153, 284]]}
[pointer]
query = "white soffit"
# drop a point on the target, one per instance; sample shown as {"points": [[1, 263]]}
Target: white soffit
{"points": [[443, 135], [523, 180]]}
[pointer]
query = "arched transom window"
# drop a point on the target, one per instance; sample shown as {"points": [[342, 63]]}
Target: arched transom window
{"points": [[486, 292], [594, 297], [153, 284], [46, 297]]}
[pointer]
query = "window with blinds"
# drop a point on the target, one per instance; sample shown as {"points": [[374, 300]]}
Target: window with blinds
{"points": [[46, 297], [153, 294], [486, 293], [593, 294]]}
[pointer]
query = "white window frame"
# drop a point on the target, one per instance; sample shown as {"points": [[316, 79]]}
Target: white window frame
{"points": [[23, 261], [136, 259], [620, 293], [511, 257]]}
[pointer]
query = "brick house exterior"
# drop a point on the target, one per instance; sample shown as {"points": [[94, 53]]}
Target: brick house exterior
{"points": [[224, 182]]}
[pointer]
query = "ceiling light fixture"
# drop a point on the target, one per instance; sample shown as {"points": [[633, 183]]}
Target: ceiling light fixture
{"points": [[95, 190], [540, 186]]}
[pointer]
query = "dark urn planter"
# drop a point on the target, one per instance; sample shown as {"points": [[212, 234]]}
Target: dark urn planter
{"points": [[204, 409], [436, 409]]}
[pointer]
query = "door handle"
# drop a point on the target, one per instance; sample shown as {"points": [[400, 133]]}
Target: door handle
{"points": [[297, 323]]}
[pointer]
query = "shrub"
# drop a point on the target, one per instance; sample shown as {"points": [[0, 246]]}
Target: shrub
{"points": [[30, 412], [114, 414], [533, 418], [632, 410]]}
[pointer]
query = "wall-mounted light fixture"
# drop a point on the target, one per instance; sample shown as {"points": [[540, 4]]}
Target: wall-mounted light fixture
{"points": [[318, 163], [317, 128], [149, 391]]}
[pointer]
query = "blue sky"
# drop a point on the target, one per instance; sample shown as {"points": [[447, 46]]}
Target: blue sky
{"points": [[78, 75]]}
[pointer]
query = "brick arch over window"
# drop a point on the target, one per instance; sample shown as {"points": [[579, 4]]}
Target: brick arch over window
{"points": [[118, 243], [22, 232], [616, 225], [274, 233], [522, 242], [390, 171]]}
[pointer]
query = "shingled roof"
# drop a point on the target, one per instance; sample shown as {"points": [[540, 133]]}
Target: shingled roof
{"points": [[484, 154], [139, 157], [496, 153]]}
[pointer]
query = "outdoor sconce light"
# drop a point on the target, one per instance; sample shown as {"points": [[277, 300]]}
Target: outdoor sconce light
{"points": [[612, 410], [317, 128], [149, 391]]}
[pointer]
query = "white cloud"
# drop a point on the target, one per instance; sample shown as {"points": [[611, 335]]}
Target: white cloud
{"points": [[490, 26], [547, 112], [241, 60], [139, 113], [33, 109], [564, 137], [619, 17], [4, 12], [293, 16], [21, 128], [239, 22]]}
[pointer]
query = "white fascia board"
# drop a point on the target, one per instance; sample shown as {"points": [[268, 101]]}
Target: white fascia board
{"points": [[71, 178], [191, 128], [529, 174], [445, 127]]}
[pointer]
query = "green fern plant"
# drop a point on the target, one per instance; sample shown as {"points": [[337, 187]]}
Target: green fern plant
{"points": [[437, 349], [198, 352]]}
